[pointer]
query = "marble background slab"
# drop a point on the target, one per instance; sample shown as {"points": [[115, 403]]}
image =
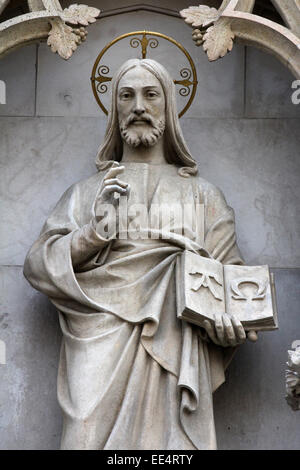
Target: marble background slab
{"points": [[245, 134]]}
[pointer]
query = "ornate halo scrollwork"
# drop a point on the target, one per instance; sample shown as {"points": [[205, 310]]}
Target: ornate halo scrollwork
{"points": [[101, 79], [100, 73], [99, 83], [186, 82], [144, 42]]}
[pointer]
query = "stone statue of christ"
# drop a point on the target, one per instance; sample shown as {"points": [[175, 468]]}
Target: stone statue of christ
{"points": [[131, 374]]}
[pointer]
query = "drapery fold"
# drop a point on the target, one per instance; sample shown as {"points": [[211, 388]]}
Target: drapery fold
{"points": [[122, 342]]}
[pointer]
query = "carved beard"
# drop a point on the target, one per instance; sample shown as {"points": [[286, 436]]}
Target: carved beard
{"points": [[147, 134]]}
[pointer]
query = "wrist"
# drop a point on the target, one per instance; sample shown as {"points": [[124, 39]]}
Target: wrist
{"points": [[86, 242]]}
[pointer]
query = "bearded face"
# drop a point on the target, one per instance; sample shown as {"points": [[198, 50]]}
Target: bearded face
{"points": [[141, 108], [144, 130]]}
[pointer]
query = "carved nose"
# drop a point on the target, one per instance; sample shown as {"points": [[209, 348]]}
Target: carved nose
{"points": [[139, 110], [139, 107]]}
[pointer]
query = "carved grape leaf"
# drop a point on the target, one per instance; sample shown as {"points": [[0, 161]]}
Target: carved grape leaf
{"points": [[80, 14], [218, 39], [62, 39], [200, 16]]}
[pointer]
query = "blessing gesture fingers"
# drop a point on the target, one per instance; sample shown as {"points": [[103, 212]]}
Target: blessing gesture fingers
{"points": [[105, 221], [112, 184], [226, 330]]}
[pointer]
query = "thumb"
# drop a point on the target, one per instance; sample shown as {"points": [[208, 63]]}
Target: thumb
{"points": [[252, 336]]}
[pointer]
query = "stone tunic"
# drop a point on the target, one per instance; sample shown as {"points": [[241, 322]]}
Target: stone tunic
{"points": [[131, 375]]}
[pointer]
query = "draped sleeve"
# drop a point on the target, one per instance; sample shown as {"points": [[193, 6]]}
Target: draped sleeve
{"points": [[68, 241], [220, 234]]}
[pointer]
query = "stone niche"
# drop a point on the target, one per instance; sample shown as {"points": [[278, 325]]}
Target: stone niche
{"points": [[243, 130]]}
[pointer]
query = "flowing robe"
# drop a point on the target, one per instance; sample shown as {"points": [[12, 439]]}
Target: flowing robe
{"points": [[131, 375]]}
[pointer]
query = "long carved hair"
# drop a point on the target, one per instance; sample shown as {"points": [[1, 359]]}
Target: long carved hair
{"points": [[176, 150]]}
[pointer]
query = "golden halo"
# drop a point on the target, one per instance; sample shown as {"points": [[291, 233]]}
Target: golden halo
{"points": [[100, 72]]}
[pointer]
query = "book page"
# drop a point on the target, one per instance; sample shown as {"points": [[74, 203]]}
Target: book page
{"points": [[248, 294], [204, 289]]}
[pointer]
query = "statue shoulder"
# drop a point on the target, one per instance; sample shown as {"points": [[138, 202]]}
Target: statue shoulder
{"points": [[89, 184], [78, 198], [210, 192], [85, 189]]}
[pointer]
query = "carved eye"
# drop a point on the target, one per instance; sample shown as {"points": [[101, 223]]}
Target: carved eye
{"points": [[151, 94], [125, 95]]}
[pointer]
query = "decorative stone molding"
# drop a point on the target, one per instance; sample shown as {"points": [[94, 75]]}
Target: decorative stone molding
{"points": [[293, 379], [215, 29], [47, 21]]}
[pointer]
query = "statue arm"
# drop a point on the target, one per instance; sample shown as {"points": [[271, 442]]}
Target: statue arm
{"points": [[86, 242], [68, 239], [220, 234], [220, 242]]}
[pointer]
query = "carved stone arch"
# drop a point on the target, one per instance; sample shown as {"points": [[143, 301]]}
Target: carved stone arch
{"points": [[233, 19], [46, 20], [216, 29]]}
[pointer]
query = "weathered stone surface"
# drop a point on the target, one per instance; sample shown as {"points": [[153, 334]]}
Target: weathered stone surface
{"points": [[29, 413], [36, 168], [256, 164], [18, 73], [250, 409], [268, 87]]}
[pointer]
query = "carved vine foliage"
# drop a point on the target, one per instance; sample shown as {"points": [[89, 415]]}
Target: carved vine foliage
{"points": [[215, 30], [293, 379], [65, 39], [64, 29], [211, 31]]}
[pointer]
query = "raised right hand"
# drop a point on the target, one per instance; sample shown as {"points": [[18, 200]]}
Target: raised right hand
{"points": [[111, 184], [104, 213]]}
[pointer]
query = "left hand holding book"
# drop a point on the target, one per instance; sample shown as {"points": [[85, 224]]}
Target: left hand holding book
{"points": [[226, 330]]}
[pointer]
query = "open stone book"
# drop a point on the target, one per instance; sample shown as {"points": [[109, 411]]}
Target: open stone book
{"points": [[206, 286]]}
